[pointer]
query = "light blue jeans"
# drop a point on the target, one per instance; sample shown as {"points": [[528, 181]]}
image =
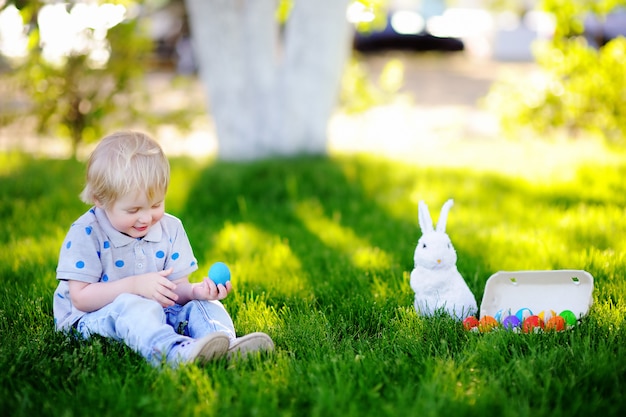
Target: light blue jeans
{"points": [[152, 330]]}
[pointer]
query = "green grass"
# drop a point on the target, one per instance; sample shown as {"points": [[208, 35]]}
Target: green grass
{"points": [[321, 251]]}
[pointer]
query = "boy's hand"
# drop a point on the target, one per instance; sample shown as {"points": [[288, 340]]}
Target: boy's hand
{"points": [[207, 290], [156, 286]]}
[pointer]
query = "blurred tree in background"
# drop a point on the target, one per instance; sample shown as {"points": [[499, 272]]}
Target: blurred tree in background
{"points": [[271, 86], [581, 87], [100, 85]]}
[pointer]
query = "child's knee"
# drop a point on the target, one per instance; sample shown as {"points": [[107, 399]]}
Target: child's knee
{"points": [[132, 303]]}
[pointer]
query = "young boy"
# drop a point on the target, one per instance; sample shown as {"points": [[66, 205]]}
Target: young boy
{"points": [[124, 265]]}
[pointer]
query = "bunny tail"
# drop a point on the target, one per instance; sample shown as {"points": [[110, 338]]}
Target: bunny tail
{"points": [[443, 216]]}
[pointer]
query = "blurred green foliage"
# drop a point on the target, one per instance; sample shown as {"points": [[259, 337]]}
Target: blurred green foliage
{"points": [[77, 98], [570, 15], [360, 91], [580, 90]]}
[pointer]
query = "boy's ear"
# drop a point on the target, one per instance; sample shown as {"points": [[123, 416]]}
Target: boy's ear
{"points": [[98, 203]]}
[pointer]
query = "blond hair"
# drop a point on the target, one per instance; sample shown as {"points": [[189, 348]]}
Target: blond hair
{"points": [[125, 162]]}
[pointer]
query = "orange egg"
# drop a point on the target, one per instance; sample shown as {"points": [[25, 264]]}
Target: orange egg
{"points": [[556, 323], [487, 323]]}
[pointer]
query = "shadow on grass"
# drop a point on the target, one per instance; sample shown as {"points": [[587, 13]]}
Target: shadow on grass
{"points": [[372, 204], [348, 225]]}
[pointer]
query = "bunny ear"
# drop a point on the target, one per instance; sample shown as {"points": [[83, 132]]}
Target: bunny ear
{"points": [[443, 216], [426, 223]]}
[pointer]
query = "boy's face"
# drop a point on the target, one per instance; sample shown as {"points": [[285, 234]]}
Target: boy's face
{"points": [[133, 215]]}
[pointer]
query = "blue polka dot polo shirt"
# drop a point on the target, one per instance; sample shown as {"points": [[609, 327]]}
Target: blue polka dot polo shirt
{"points": [[93, 251]]}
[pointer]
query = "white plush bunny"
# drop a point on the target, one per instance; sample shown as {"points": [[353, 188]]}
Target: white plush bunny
{"points": [[437, 283]]}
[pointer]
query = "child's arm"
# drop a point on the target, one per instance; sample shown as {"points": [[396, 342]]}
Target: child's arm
{"points": [[90, 297], [205, 290]]}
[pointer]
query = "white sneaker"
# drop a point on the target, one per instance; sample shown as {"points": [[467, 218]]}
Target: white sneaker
{"points": [[203, 350], [253, 342]]}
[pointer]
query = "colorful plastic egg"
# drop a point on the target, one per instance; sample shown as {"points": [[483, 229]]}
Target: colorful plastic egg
{"points": [[532, 324], [487, 323], [219, 273], [556, 323], [512, 323], [523, 313], [570, 318], [470, 323], [502, 314], [546, 315]]}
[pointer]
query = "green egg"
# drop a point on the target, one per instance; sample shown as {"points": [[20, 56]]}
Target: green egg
{"points": [[569, 317]]}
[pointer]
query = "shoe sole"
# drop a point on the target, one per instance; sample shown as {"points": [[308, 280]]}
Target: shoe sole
{"points": [[250, 343], [214, 348]]}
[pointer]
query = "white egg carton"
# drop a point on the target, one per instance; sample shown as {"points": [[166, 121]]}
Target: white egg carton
{"points": [[557, 290]]}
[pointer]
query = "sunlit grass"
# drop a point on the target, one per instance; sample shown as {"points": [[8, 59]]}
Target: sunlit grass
{"points": [[10, 162], [28, 254], [257, 259], [320, 251], [255, 315], [332, 234]]}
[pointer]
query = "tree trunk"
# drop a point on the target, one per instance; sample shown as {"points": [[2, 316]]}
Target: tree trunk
{"points": [[269, 96]]}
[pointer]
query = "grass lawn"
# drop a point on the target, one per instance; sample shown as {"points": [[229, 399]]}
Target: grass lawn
{"points": [[321, 250]]}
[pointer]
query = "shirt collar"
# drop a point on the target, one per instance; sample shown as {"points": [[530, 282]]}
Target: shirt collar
{"points": [[117, 238]]}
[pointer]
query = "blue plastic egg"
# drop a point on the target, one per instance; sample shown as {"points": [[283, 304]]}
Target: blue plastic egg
{"points": [[219, 273]]}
